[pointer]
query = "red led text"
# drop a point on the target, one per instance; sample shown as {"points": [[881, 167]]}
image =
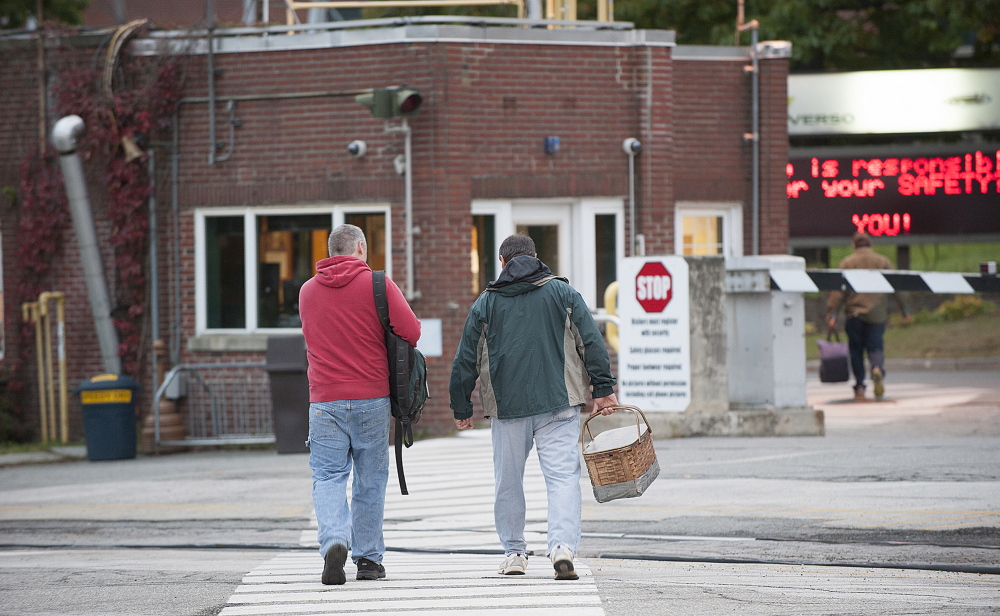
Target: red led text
{"points": [[882, 224], [974, 173]]}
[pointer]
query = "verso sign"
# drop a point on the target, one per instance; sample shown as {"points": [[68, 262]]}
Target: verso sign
{"points": [[653, 287]]}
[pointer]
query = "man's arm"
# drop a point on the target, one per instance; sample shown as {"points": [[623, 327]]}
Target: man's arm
{"points": [[463, 372], [401, 317]]}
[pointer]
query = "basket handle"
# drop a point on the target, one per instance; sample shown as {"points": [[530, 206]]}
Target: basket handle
{"points": [[585, 428]]}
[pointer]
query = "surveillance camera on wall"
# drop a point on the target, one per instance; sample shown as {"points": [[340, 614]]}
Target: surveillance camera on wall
{"points": [[631, 146], [357, 148]]}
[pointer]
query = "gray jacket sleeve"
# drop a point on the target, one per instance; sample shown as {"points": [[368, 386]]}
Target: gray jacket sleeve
{"points": [[595, 354]]}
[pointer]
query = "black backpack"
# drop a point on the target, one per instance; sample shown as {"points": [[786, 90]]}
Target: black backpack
{"points": [[408, 390]]}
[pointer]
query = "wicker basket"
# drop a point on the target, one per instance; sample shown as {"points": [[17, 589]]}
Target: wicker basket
{"points": [[621, 462]]}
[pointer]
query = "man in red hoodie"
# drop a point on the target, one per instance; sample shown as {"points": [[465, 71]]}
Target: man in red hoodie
{"points": [[349, 402]]}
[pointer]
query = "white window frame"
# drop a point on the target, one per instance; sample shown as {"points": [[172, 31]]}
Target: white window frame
{"points": [[732, 224], [577, 240], [250, 256]]}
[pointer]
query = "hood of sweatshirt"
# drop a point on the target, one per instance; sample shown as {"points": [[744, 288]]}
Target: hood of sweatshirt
{"points": [[521, 275], [340, 270]]}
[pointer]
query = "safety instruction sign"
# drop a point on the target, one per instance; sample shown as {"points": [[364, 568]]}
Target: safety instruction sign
{"points": [[654, 355]]}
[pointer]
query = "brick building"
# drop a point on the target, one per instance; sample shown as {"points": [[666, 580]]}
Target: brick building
{"points": [[253, 220]]}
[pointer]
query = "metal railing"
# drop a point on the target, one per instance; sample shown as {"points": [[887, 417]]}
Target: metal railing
{"points": [[223, 403]]}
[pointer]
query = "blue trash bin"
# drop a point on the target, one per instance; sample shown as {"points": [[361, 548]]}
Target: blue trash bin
{"points": [[108, 402]]}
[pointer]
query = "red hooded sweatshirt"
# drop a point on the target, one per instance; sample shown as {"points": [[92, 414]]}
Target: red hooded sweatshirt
{"points": [[346, 347]]}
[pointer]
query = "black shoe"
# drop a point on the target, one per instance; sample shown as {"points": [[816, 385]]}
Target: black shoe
{"points": [[368, 570], [333, 568]]}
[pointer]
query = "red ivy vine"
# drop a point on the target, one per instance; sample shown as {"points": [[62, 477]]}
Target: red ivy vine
{"points": [[136, 112], [43, 215]]}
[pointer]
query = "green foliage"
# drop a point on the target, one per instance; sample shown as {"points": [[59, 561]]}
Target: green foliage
{"points": [[12, 428], [15, 13], [839, 34], [962, 307], [933, 257]]}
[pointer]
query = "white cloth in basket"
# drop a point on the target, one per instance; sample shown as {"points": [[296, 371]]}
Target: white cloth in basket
{"points": [[615, 438]]}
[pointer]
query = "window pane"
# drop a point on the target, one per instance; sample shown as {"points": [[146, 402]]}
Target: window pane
{"points": [[604, 250], [287, 258], [702, 235], [546, 238], [484, 252], [373, 224], [224, 276]]}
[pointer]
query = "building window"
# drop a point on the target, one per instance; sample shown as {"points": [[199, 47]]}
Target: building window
{"points": [[708, 229], [225, 272], [702, 235], [484, 251], [251, 262], [606, 253]]}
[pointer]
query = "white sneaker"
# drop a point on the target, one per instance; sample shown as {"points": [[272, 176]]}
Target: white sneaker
{"points": [[562, 561], [514, 564]]}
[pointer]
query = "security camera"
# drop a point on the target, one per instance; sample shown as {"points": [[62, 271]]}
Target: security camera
{"points": [[357, 148], [631, 146]]}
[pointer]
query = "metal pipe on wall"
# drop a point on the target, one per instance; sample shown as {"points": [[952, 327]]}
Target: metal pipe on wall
{"points": [[411, 292], [154, 262], [64, 136], [755, 129], [209, 29]]}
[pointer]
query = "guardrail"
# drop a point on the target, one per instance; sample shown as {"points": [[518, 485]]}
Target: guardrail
{"points": [[224, 404]]}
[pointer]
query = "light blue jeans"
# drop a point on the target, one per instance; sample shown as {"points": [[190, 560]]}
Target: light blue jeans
{"points": [[342, 434], [556, 436]]}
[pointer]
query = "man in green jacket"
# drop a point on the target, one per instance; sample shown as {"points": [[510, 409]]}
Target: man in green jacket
{"points": [[533, 345]]}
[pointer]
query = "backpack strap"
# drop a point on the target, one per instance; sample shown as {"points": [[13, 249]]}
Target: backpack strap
{"points": [[381, 301], [382, 308]]}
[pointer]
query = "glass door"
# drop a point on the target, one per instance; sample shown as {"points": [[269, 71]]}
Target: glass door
{"points": [[549, 225]]}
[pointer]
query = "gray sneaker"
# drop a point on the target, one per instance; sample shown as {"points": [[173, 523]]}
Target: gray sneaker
{"points": [[562, 561], [514, 564]]}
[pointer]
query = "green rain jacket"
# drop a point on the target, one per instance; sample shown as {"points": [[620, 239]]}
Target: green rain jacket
{"points": [[531, 342]]}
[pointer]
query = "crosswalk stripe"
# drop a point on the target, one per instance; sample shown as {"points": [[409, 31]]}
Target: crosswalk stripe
{"points": [[443, 511]]}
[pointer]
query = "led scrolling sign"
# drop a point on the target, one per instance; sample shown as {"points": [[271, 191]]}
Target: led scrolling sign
{"points": [[895, 196]]}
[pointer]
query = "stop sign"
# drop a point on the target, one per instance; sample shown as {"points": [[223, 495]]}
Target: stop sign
{"points": [[653, 287]]}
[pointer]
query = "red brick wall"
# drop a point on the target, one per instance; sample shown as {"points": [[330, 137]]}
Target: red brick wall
{"points": [[487, 108]]}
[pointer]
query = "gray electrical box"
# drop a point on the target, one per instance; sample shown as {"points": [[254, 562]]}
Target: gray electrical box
{"points": [[766, 331]]}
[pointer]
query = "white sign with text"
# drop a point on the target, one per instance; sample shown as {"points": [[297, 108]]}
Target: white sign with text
{"points": [[654, 355]]}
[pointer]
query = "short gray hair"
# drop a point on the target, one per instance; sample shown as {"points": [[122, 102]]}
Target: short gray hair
{"points": [[344, 239], [517, 245]]}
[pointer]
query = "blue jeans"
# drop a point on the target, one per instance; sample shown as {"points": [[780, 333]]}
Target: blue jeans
{"points": [[864, 337], [556, 435], [342, 434]]}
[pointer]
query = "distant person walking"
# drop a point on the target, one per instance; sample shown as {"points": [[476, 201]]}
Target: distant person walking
{"points": [[866, 317], [534, 347], [349, 402]]}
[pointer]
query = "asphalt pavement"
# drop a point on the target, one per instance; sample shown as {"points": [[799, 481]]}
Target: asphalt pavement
{"points": [[896, 510]]}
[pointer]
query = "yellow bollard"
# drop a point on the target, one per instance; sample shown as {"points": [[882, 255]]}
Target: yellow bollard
{"points": [[610, 304], [60, 299], [29, 313]]}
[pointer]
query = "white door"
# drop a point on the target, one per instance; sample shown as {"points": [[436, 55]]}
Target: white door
{"points": [[581, 239]]}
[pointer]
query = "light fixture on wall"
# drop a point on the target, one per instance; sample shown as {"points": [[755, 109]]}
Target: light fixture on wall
{"points": [[357, 148]]}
